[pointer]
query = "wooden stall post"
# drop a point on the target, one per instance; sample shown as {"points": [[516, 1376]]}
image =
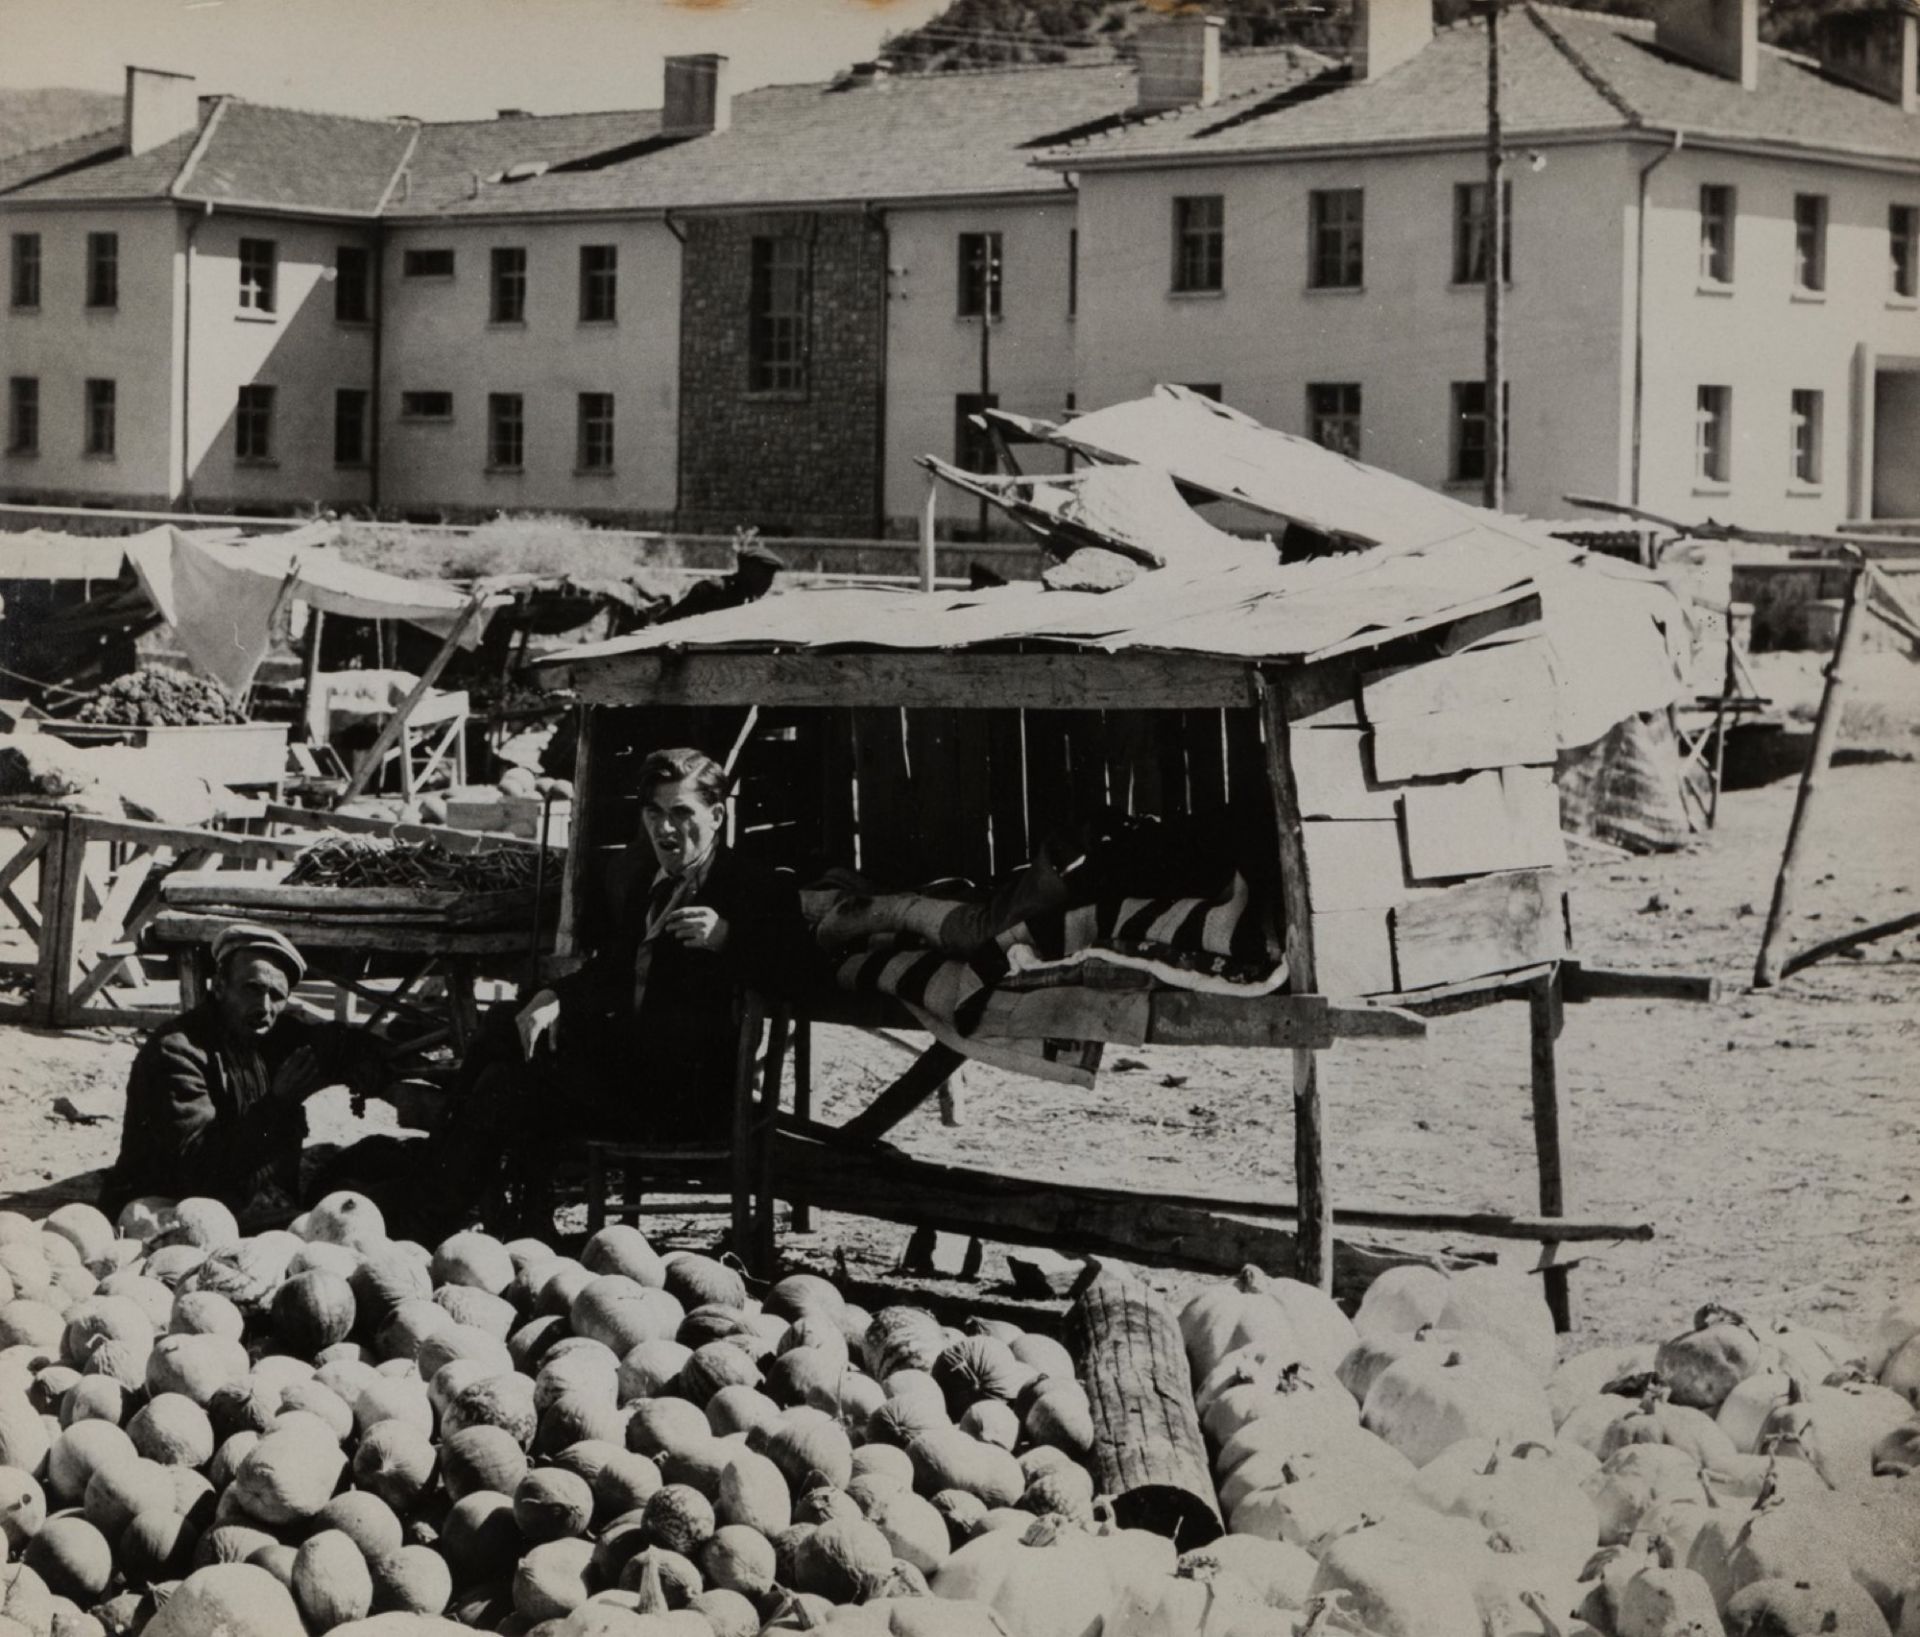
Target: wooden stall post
{"points": [[1309, 1138], [1826, 731], [59, 910], [929, 520], [1148, 1453], [1545, 1018], [393, 730]]}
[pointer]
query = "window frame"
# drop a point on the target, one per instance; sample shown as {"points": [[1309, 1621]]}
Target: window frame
{"points": [[1810, 218], [23, 415], [413, 259], [1073, 272], [420, 417], [259, 265], [507, 278], [1806, 437], [1467, 223], [100, 396], [779, 352], [980, 274], [594, 433], [26, 255], [363, 399], [253, 424], [1199, 244], [359, 283], [598, 281], [1320, 416], [510, 423], [1344, 234], [1461, 420], [1719, 205], [103, 272], [1713, 434], [1903, 250]]}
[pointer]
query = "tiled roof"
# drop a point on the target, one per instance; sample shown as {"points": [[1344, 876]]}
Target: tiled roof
{"points": [[908, 136], [458, 168], [94, 169], [280, 156], [1564, 71]]}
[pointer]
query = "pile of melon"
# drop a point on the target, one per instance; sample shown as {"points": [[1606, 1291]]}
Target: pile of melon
{"points": [[1434, 1472]]}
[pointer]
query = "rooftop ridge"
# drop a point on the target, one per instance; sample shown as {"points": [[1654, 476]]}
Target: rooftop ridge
{"points": [[392, 122], [532, 118], [1610, 93], [20, 154], [1299, 55]]}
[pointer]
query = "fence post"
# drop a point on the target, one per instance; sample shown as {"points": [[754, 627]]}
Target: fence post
{"points": [[62, 881]]}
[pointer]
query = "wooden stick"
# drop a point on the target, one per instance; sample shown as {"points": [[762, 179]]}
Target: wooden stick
{"points": [[369, 764], [1833, 946], [929, 518], [1826, 732], [1544, 1020]]}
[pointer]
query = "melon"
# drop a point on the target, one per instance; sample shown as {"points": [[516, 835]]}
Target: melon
{"points": [[331, 1584], [288, 1475], [73, 1557], [312, 1310], [395, 1461], [347, 1218], [173, 1430], [475, 1259], [413, 1580]]}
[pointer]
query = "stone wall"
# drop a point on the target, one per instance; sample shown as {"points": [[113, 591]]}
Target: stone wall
{"points": [[804, 462]]}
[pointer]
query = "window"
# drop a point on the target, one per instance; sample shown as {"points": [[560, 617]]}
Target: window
{"points": [[599, 283], [23, 284], [426, 264], [1470, 233], [1336, 217], [1468, 463], [1712, 428], [507, 303], [506, 431], [350, 407], [973, 446], [1810, 241], [100, 418], [1807, 411], [256, 275], [253, 424], [103, 269], [1073, 271], [1199, 242], [352, 285], [426, 406], [777, 316], [1903, 246], [1716, 234], [596, 432], [1333, 416], [980, 275], [23, 415]]}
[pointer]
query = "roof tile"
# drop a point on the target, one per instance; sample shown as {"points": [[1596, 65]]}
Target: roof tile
{"points": [[284, 157], [93, 169]]}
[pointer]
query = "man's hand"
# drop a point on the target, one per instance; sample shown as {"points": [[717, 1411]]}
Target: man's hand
{"points": [[298, 1077], [538, 1019], [698, 927]]}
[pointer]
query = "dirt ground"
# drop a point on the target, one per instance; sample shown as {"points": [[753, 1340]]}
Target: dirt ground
{"points": [[1773, 1139]]}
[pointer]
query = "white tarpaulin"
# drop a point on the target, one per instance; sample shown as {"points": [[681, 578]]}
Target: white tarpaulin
{"points": [[219, 594]]}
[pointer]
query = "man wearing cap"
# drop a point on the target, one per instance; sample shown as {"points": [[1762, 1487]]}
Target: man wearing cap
{"points": [[216, 1098]]}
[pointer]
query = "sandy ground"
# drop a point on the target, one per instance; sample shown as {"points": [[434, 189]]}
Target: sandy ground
{"points": [[1773, 1139]]}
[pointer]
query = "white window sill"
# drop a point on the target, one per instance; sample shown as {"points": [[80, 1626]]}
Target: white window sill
{"points": [[426, 420], [23, 454], [593, 471], [506, 471], [1809, 298], [29, 311], [598, 323], [1707, 287], [352, 466], [1904, 304], [1478, 286], [257, 463], [102, 312], [1806, 491], [106, 456], [248, 315], [1712, 489], [506, 323], [353, 323], [1197, 295], [426, 278], [1340, 289]]}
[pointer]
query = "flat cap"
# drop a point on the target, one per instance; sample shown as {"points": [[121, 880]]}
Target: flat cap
{"points": [[259, 940]]}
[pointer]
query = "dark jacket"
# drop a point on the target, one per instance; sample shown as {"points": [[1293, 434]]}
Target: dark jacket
{"points": [[684, 1038], [200, 1116]]}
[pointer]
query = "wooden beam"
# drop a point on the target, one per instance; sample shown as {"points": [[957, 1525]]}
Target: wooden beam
{"points": [[1584, 983], [177, 927], [394, 727], [965, 680], [1544, 1020], [924, 1076], [253, 849]]}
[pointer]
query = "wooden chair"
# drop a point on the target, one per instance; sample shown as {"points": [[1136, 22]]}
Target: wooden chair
{"points": [[623, 1177]]}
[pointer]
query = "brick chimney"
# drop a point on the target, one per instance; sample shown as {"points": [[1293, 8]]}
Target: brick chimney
{"points": [[1180, 63], [1721, 36], [697, 99], [1877, 49], [1387, 33], [160, 106]]}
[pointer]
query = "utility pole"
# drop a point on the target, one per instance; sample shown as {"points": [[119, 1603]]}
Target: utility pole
{"points": [[989, 294], [1493, 486]]}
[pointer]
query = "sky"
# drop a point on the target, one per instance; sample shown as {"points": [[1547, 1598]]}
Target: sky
{"points": [[439, 59]]}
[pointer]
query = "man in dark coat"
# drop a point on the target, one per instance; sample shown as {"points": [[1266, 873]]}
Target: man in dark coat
{"points": [[216, 1098]]}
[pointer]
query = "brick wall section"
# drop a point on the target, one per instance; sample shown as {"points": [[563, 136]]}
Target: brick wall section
{"points": [[787, 464]]}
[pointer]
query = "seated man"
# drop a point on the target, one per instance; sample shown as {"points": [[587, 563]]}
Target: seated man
{"points": [[640, 1042], [215, 1101]]}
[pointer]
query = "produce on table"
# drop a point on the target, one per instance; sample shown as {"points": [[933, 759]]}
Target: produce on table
{"points": [[336, 1432], [159, 696], [379, 861]]}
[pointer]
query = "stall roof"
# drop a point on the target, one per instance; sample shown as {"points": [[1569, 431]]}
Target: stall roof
{"points": [[37, 554]]}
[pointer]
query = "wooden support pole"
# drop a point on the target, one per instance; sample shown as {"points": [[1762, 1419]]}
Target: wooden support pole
{"points": [[1544, 1019], [1848, 940], [929, 520], [310, 670], [392, 729], [1826, 733], [801, 1216], [56, 892], [1148, 1453], [1315, 1208]]}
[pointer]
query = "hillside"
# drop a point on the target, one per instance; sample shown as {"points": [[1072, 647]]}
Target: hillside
{"points": [[46, 114], [985, 33]]}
